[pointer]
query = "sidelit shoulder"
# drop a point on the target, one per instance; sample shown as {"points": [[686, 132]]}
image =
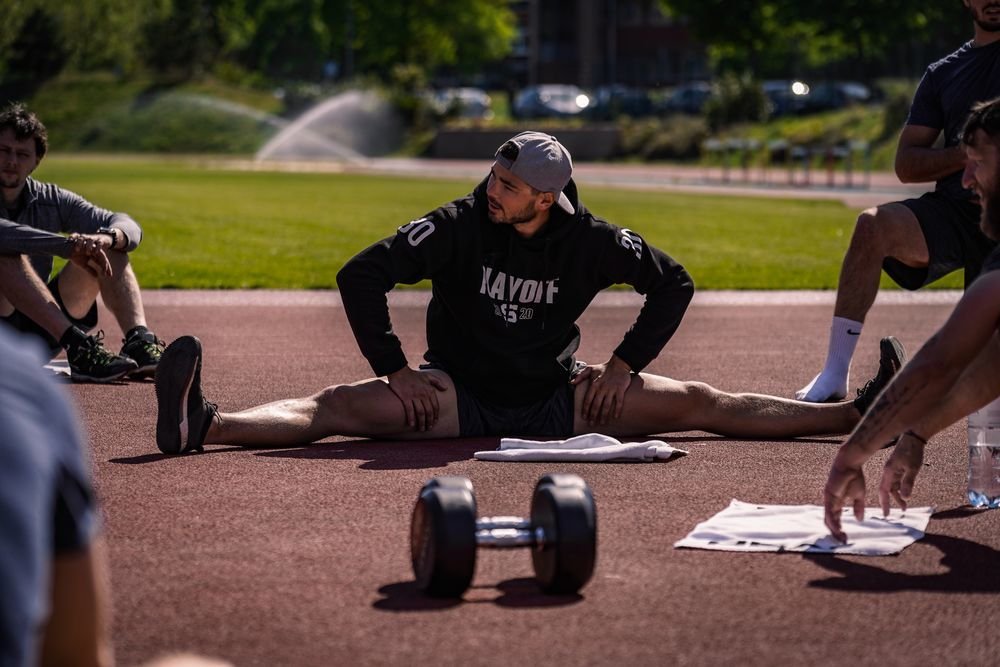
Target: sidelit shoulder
{"points": [[50, 193]]}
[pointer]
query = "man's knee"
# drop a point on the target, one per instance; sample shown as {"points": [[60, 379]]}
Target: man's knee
{"points": [[871, 231], [339, 398], [888, 231], [699, 396]]}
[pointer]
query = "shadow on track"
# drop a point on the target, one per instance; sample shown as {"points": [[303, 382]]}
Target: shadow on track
{"points": [[970, 568], [522, 593], [391, 455]]}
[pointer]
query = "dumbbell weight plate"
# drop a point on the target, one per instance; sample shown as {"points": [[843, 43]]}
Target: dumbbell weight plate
{"points": [[562, 479], [567, 516], [451, 482], [443, 539]]}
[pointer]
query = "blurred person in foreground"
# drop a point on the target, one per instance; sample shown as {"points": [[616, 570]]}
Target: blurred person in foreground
{"points": [[39, 221], [918, 241], [513, 265], [54, 606], [954, 374]]}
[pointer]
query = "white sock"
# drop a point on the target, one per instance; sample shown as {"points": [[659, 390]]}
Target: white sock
{"points": [[831, 383]]}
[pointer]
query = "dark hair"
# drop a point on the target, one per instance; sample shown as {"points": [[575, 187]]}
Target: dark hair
{"points": [[985, 116], [25, 125]]}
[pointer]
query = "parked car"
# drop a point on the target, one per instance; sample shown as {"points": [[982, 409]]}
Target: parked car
{"points": [[787, 96], [463, 102], [615, 100], [689, 98], [550, 100], [837, 94]]}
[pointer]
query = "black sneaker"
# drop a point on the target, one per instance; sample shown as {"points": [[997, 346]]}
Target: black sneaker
{"points": [[183, 414], [90, 361], [892, 356], [145, 348]]}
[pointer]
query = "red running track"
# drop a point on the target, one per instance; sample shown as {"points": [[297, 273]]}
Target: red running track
{"points": [[300, 556]]}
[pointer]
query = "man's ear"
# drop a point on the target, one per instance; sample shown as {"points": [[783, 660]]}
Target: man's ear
{"points": [[548, 199]]}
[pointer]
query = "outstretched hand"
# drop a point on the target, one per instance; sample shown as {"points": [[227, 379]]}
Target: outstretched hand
{"points": [[605, 397], [900, 471], [418, 393], [87, 252], [844, 486]]}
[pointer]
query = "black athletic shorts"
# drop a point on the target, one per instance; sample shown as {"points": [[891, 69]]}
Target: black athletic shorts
{"points": [[951, 230], [21, 322], [550, 417]]}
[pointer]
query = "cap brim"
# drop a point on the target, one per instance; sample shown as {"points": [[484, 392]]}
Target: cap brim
{"points": [[565, 204]]}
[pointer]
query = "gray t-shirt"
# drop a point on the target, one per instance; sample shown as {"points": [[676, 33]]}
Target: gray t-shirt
{"points": [[47, 505], [46, 212], [946, 94]]}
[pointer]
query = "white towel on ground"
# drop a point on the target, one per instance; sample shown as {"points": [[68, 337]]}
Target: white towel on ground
{"points": [[58, 367], [751, 527], [589, 447]]}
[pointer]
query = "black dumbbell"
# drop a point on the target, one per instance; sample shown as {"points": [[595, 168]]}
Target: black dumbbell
{"points": [[445, 533]]}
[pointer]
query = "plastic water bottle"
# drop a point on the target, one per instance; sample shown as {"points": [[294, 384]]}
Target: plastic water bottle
{"points": [[984, 456]]}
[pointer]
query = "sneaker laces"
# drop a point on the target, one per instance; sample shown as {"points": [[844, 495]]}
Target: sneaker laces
{"points": [[150, 347], [92, 350], [864, 390]]}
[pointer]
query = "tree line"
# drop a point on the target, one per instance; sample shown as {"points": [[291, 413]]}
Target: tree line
{"points": [[297, 39], [774, 38], [313, 39]]}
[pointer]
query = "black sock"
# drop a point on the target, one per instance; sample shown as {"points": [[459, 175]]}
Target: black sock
{"points": [[72, 338]]}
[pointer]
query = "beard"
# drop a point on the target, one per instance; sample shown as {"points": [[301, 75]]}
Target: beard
{"points": [[516, 218], [986, 24], [989, 220], [9, 181]]}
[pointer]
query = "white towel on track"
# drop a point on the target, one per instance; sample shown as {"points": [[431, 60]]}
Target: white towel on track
{"points": [[751, 527], [589, 447]]}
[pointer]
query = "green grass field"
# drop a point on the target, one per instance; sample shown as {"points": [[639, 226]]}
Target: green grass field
{"points": [[211, 228]]}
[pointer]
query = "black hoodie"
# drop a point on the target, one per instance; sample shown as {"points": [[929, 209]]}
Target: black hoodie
{"points": [[503, 309]]}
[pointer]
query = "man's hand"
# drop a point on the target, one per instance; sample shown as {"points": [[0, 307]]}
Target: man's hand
{"points": [[418, 393], [900, 471], [605, 397], [845, 485], [87, 252]]}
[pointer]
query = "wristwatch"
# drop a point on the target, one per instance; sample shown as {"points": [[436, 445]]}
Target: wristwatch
{"points": [[113, 233]]}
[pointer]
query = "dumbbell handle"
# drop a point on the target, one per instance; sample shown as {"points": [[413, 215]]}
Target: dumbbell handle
{"points": [[506, 532]]}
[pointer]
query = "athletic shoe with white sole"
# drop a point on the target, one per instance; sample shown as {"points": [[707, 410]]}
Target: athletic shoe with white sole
{"points": [[892, 356], [90, 361], [183, 415], [142, 346]]}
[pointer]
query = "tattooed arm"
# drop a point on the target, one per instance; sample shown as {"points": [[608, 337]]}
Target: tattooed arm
{"points": [[915, 399]]}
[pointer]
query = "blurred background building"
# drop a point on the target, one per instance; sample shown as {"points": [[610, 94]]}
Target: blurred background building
{"points": [[593, 43]]}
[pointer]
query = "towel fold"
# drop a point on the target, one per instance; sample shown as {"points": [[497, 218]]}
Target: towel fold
{"points": [[800, 528], [589, 447]]}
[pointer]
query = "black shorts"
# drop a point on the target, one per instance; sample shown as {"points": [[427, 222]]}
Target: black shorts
{"points": [[954, 240], [22, 323], [550, 417]]}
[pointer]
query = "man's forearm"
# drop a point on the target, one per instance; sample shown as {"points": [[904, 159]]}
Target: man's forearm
{"points": [[906, 401], [919, 164], [16, 239]]}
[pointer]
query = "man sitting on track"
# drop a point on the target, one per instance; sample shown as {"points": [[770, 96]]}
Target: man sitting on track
{"points": [[513, 265], [34, 220], [955, 372]]}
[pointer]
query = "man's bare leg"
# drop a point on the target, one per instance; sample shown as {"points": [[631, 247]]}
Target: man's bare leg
{"points": [[656, 404], [22, 289], [890, 230], [363, 409], [120, 291]]}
